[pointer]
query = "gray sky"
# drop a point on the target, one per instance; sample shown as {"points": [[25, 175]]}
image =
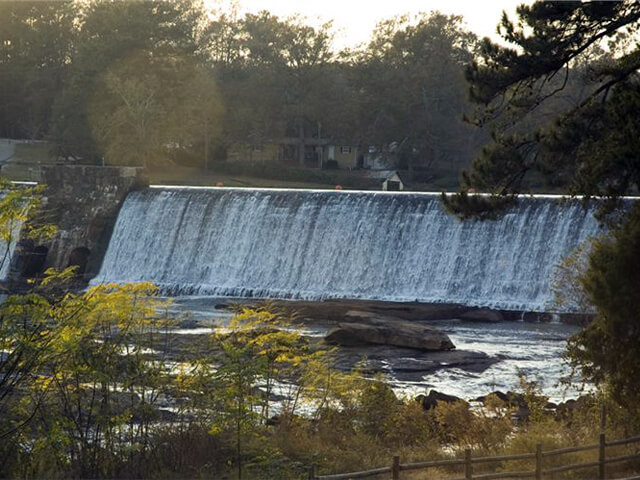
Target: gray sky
{"points": [[355, 19]]}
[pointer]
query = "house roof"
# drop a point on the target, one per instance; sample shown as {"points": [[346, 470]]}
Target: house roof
{"points": [[382, 174]]}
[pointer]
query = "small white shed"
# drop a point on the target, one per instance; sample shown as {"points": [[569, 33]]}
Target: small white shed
{"points": [[389, 179]]}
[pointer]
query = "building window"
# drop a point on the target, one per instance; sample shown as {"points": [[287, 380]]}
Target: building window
{"points": [[345, 149]]}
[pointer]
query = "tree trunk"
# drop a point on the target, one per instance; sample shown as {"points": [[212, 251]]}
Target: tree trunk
{"points": [[410, 168], [301, 142], [206, 145]]}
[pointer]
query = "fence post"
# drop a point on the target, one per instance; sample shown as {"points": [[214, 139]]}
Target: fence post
{"points": [[539, 461], [468, 471], [395, 469], [312, 472], [601, 459]]}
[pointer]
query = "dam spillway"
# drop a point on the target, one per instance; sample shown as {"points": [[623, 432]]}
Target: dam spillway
{"points": [[314, 245]]}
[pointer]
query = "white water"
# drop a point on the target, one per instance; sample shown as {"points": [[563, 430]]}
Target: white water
{"points": [[355, 245], [534, 349], [7, 251]]}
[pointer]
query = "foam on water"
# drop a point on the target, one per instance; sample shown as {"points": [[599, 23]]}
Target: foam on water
{"points": [[276, 243]]}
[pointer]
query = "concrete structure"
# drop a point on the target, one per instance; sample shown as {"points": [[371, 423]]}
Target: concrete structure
{"points": [[83, 203]]}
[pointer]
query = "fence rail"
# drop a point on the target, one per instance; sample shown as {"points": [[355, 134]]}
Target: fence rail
{"points": [[539, 473]]}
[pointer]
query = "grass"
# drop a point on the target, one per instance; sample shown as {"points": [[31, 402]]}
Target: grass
{"points": [[21, 151], [23, 159], [178, 175], [33, 153]]}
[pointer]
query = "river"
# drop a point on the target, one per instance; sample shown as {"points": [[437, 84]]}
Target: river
{"points": [[534, 349]]}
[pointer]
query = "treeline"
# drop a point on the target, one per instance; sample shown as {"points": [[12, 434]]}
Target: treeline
{"points": [[143, 83]]}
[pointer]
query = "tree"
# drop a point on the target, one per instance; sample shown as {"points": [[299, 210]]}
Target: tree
{"points": [[35, 42], [257, 352], [275, 76], [591, 149], [511, 83], [205, 110], [24, 335], [81, 379], [413, 92], [148, 107], [107, 34], [103, 388], [607, 351]]}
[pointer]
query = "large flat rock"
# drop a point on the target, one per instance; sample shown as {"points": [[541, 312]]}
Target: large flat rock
{"points": [[365, 328], [410, 365]]}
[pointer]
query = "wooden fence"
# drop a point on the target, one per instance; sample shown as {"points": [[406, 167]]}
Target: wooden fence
{"points": [[468, 462]]}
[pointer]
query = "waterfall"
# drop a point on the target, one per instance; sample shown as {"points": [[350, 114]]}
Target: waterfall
{"points": [[305, 244], [8, 249]]}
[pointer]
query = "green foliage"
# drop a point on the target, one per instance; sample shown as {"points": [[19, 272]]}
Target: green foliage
{"points": [[470, 206], [92, 404], [277, 77], [412, 92], [607, 351], [569, 293], [19, 206], [589, 148], [485, 430], [86, 383], [106, 35], [533, 398], [148, 107], [559, 71], [149, 83], [25, 334], [35, 41]]}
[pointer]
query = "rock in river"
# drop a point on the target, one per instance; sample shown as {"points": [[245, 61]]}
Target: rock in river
{"points": [[482, 315], [382, 330], [409, 365], [431, 401]]}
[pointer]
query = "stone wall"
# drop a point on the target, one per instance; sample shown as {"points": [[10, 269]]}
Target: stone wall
{"points": [[83, 202]]}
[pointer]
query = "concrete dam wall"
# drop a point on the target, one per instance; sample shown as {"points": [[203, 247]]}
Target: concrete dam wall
{"points": [[82, 202]]}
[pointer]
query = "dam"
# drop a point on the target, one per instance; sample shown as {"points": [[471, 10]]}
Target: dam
{"points": [[317, 245]]}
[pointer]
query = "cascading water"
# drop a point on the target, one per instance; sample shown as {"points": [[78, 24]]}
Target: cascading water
{"points": [[7, 250], [273, 243]]}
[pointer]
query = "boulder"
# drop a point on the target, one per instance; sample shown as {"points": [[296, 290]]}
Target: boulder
{"points": [[409, 364], [567, 409], [512, 399], [431, 400], [498, 394], [537, 317], [482, 315], [380, 330], [511, 315]]}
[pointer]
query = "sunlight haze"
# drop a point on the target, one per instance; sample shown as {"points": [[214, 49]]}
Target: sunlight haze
{"points": [[354, 20]]}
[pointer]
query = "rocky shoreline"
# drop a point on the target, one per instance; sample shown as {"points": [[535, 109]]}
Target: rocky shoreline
{"points": [[517, 402], [403, 342], [335, 310]]}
